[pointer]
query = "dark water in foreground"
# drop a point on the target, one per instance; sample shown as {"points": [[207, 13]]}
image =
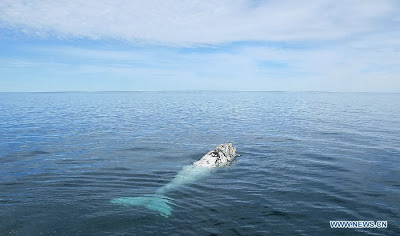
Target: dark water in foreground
{"points": [[306, 159]]}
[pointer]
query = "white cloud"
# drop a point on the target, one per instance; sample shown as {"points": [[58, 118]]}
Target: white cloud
{"points": [[184, 22], [359, 51], [366, 64]]}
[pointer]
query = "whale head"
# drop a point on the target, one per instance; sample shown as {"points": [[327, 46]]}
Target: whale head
{"points": [[222, 155]]}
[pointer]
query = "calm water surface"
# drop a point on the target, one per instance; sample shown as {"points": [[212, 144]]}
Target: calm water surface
{"points": [[306, 159]]}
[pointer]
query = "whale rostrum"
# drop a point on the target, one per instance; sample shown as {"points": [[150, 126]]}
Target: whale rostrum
{"points": [[222, 155]]}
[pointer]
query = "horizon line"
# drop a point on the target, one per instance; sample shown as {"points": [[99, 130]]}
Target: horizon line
{"points": [[191, 90]]}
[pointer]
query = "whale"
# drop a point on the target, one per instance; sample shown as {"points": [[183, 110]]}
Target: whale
{"points": [[223, 155]]}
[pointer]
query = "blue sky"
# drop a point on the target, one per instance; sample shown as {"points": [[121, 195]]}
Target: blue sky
{"points": [[312, 45]]}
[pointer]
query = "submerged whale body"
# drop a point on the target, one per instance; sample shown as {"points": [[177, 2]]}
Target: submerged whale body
{"points": [[222, 155]]}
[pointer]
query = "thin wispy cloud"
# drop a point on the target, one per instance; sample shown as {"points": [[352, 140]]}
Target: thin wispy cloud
{"points": [[348, 45], [196, 22]]}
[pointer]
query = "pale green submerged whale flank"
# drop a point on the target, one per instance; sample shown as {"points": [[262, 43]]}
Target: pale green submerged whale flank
{"points": [[158, 201], [222, 155], [153, 202]]}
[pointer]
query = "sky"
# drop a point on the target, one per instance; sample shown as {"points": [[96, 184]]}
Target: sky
{"points": [[247, 45]]}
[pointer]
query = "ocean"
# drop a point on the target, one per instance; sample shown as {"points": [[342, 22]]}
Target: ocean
{"points": [[306, 158]]}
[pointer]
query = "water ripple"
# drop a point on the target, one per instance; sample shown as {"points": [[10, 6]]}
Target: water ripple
{"points": [[306, 159]]}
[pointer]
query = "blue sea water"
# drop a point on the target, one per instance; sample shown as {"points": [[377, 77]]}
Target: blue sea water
{"points": [[306, 158]]}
